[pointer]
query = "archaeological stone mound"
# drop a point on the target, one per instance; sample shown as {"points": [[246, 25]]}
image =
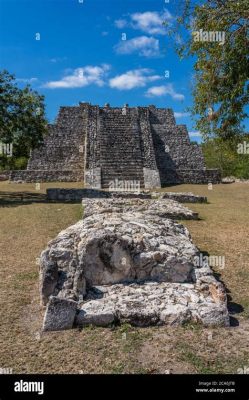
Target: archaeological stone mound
{"points": [[128, 261]]}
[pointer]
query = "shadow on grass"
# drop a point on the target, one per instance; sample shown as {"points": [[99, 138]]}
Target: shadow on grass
{"points": [[15, 199], [233, 308]]}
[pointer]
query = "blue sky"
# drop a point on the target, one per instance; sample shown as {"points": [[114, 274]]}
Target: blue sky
{"points": [[81, 55]]}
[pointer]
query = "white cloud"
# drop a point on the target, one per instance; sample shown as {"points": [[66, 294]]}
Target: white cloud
{"points": [[120, 23], [143, 45], [156, 91], [181, 114], [150, 22], [195, 134], [81, 77], [27, 80], [132, 79]]}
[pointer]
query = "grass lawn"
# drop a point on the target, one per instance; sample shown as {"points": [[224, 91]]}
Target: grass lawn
{"points": [[28, 222]]}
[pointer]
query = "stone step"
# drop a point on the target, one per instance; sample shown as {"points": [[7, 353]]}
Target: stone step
{"points": [[115, 160], [118, 140], [106, 185], [126, 177], [122, 171], [125, 173], [110, 129], [121, 176], [109, 174], [118, 166]]}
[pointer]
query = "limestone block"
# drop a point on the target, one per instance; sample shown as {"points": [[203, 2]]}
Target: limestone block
{"points": [[59, 315]]}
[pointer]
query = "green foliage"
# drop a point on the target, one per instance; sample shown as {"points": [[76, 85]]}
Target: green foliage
{"points": [[22, 120], [223, 154], [20, 163], [9, 163], [220, 87]]}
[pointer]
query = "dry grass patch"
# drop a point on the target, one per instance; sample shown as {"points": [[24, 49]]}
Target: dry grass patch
{"points": [[28, 222]]}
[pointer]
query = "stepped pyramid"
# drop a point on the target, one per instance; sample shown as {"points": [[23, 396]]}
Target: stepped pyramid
{"points": [[102, 145]]}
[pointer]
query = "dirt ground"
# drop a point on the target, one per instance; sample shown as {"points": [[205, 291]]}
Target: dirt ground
{"points": [[28, 222]]}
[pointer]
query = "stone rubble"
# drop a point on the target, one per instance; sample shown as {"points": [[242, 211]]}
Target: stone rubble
{"points": [[76, 195], [161, 208], [153, 303], [60, 314], [110, 248], [184, 197], [228, 179]]}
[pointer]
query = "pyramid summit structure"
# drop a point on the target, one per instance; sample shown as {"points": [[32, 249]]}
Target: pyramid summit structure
{"points": [[101, 145]]}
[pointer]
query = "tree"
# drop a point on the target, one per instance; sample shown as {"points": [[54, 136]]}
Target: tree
{"points": [[221, 89], [22, 119], [230, 156]]}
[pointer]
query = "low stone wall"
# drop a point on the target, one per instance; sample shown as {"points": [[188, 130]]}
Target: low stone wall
{"points": [[213, 175], [30, 176], [130, 195], [77, 195], [4, 175], [184, 197]]}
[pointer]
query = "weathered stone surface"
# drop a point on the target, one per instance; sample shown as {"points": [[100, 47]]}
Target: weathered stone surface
{"points": [[161, 208], [242, 180], [130, 195], [97, 313], [29, 176], [151, 178], [152, 303], [4, 176], [58, 194], [59, 315], [48, 277], [184, 197], [120, 247], [228, 179], [127, 262]]}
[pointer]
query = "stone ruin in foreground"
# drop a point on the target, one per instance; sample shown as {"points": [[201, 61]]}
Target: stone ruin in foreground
{"points": [[129, 261], [103, 145]]}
